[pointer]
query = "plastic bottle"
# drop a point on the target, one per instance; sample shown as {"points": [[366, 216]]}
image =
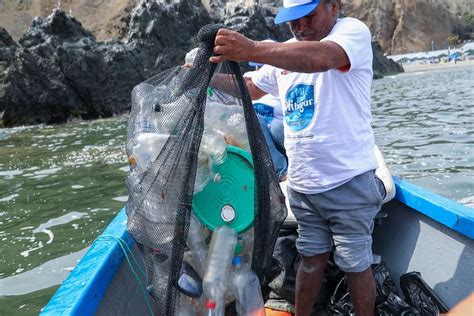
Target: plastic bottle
{"points": [[236, 127], [190, 56], [247, 251], [245, 286], [214, 145], [197, 244], [221, 251], [203, 175], [148, 147], [186, 307], [143, 107], [148, 137]]}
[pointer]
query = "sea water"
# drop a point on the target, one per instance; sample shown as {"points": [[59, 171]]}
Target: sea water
{"points": [[61, 185]]}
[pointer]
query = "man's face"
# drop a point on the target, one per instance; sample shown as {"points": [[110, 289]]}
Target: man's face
{"points": [[316, 25]]}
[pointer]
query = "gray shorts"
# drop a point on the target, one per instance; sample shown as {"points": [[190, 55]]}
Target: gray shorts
{"points": [[342, 217]]}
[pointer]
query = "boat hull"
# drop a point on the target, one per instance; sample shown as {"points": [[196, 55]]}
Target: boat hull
{"points": [[421, 232]]}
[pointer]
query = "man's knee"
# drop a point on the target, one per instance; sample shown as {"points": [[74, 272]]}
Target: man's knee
{"points": [[315, 263], [361, 274]]}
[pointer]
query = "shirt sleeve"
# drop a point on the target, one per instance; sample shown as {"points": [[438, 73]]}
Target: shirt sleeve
{"points": [[248, 74], [266, 79], [355, 39]]}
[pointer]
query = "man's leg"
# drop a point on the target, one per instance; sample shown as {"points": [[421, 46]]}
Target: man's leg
{"points": [[314, 244], [351, 209], [362, 291], [309, 279]]}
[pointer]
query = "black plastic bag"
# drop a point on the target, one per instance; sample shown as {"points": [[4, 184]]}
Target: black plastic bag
{"points": [[394, 305], [286, 261], [387, 300], [419, 295]]}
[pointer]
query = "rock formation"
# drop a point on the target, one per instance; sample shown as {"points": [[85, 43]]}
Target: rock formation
{"points": [[59, 71], [410, 25], [7, 56], [399, 25], [382, 65]]}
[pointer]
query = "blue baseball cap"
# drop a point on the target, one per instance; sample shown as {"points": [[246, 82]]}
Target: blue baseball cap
{"points": [[295, 9], [252, 64]]}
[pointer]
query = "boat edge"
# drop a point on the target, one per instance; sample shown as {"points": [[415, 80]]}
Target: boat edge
{"points": [[74, 297], [448, 212], [82, 291]]}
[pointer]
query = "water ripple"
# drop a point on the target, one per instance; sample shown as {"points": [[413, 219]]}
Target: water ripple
{"points": [[424, 124]]}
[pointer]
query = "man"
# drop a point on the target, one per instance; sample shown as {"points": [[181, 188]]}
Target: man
{"points": [[323, 77], [270, 116]]}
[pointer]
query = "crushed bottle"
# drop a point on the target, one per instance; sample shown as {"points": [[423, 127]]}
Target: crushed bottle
{"points": [[197, 244]]}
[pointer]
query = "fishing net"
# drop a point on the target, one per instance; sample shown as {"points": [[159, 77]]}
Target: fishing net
{"points": [[177, 117]]}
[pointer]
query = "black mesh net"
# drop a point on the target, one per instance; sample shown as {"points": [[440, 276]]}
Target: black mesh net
{"points": [[166, 126]]}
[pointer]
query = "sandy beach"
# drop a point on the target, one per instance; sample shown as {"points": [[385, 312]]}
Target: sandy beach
{"points": [[425, 67]]}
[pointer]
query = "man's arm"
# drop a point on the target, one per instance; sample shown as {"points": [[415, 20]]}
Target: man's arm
{"points": [[254, 91], [302, 56]]}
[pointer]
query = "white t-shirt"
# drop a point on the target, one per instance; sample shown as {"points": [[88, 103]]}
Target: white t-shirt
{"points": [[268, 106], [328, 137]]}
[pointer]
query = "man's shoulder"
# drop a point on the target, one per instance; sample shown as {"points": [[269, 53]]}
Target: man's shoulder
{"points": [[352, 23]]}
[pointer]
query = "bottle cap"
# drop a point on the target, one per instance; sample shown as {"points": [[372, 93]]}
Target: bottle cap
{"points": [[132, 160], [210, 304], [237, 260], [210, 92]]}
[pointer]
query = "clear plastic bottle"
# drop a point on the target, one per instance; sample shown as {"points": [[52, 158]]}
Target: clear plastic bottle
{"points": [[190, 56], [197, 244], [148, 137], [186, 307], [221, 252], [210, 308], [203, 175], [214, 146], [236, 127], [144, 108], [148, 147], [247, 249], [245, 286]]}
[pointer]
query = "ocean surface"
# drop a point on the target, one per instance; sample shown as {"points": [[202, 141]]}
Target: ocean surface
{"points": [[61, 185]]}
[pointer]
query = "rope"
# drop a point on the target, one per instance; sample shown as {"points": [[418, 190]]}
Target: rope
{"points": [[125, 250]]}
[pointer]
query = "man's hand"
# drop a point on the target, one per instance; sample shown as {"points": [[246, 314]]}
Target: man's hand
{"points": [[231, 45]]}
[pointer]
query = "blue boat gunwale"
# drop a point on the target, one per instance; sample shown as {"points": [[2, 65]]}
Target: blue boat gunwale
{"points": [[82, 291], [448, 212], [84, 288]]}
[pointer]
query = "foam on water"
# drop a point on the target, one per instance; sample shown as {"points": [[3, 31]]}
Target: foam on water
{"points": [[64, 219], [123, 198], [9, 198], [9, 174]]}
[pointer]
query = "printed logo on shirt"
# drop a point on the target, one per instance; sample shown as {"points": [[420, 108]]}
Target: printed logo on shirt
{"points": [[299, 106], [263, 109]]}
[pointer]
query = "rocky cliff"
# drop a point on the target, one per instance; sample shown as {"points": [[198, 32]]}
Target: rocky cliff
{"points": [[411, 25], [60, 71], [399, 25]]}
